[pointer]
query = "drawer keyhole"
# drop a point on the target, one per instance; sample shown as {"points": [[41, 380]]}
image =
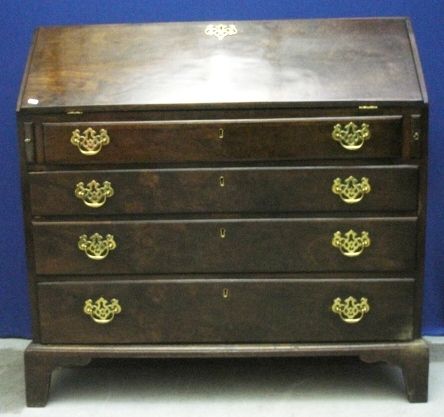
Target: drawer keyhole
{"points": [[222, 181], [222, 233], [225, 293], [221, 133]]}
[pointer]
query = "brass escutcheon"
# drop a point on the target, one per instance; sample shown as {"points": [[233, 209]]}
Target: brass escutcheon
{"points": [[102, 311], [96, 247], [90, 143], [351, 245], [350, 136], [351, 191], [350, 310], [93, 194], [220, 30]]}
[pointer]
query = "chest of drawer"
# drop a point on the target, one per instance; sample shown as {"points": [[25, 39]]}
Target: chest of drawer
{"points": [[267, 245], [223, 141], [226, 311], [241, 189], [230, 190]]}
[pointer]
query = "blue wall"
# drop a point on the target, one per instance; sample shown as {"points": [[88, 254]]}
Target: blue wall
{"points": [[18, 18]]}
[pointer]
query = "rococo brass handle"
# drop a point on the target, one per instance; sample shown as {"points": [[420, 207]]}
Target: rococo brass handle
{"points": [[351, 245], [93, 194], [351, 190], [90, 143], [96, 247], [350, 137], [350, 310], [102, 311]]}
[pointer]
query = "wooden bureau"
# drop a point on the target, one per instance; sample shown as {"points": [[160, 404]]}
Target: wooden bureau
{"points": [[225, 190]]}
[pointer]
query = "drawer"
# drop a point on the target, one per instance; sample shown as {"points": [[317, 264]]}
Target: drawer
{"points": [[223, 141], [227, 190], [247, 245], [226, 311]]}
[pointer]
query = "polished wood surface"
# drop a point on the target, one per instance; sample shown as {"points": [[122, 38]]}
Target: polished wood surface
{"points": [[253, 311], [225, 190], [184, 110], [41, 360], [268, 62], [262, 245], [247, 140]]}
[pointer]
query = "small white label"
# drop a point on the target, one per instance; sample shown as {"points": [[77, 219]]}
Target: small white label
{"points": [[33, 101]]}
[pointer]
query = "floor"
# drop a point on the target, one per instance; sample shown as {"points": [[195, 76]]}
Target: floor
{"points": [[255, 387]]}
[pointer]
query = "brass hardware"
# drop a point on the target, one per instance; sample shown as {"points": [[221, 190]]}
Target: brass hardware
{"points": [[222, 233], [351, 245], [368, 107], [94, 195], [350, 137], [96, 247], [90, 143], [74, 112], [102, 311], [221, 133], [416, 135], [350, 310], [225, 293], [351, 190], [220, 31], [27, 140], [222, 181]]}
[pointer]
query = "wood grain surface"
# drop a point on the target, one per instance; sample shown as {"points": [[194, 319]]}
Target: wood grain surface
{"points": [[267, 62]]}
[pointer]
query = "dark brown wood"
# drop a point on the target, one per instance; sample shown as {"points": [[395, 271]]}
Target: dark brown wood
{"points": [[259, 311], [277, 88], [415, 350], [250, 245], [414, 363], [267, 62], [32, 289], [29, 142], [258, 140], [225, 190], [39, 366]]}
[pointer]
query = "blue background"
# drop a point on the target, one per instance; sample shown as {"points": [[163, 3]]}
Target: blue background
{"points": [[18, 19]]}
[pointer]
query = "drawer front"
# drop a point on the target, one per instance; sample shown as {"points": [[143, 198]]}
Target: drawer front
{"points": [[226, 311], [266, 245], [224, 190], [222, 141]]}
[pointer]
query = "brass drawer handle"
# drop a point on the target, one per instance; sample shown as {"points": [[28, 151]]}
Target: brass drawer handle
{"points": [[351, 191], [93, 194], [102, 311], [350, 310], [90, 143], [96, 247], [351, 245], [350, 137]]}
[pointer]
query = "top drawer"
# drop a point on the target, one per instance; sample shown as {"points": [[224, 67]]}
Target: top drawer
{"points": [[220, 141]]}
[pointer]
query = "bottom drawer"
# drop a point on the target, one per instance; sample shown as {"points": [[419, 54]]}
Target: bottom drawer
{"points": [[226, 311]]}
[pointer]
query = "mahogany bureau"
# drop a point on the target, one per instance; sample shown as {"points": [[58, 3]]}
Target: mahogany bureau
{"points": [[225, 190]]}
